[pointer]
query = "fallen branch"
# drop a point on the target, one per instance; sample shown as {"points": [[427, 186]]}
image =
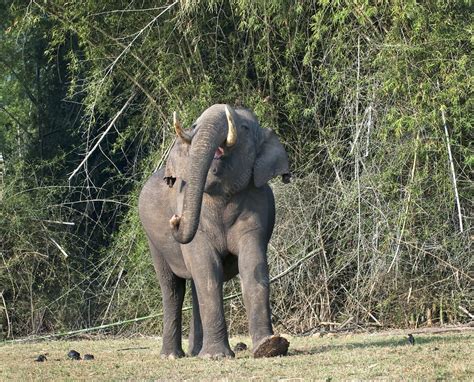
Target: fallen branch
{"points": [[135, 348], [85, 330]]}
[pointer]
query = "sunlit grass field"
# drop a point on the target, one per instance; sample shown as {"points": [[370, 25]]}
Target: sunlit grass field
{"points": [[377, 356]]}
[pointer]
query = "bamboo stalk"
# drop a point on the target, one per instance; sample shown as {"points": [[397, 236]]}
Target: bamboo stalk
{"points": [[453, 173], [113, 295], [9, 325], [407, 205]]}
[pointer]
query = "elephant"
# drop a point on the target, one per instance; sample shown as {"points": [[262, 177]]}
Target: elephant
{"points": [[208, 215]]}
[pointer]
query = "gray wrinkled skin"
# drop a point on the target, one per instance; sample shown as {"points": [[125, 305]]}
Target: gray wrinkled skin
{"points": [[226, 214]]}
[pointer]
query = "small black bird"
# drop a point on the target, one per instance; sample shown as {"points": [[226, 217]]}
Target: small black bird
{"points": [[88, 357], [41, 358], [74, 355], [411, 339]]}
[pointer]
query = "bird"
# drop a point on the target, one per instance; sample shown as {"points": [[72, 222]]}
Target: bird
{"points": [[88, 357], [41, 358], [411, 339]]}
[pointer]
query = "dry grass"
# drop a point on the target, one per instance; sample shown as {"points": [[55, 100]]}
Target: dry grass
{"points": [[356, 356]]}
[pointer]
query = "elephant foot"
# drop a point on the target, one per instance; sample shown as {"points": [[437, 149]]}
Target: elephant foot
{"points": [[271, 346], [216, 352], [172, 354]]}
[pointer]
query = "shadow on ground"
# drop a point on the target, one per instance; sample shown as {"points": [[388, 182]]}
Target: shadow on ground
{"points": [[379, 343]]}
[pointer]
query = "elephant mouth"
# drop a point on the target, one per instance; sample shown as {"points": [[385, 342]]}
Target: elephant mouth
{"points": [[219, 153]]}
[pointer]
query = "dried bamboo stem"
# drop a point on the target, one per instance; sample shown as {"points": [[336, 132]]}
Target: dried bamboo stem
{"points": [[402, 229], [9, 324], [453, 173], [113, 295]]}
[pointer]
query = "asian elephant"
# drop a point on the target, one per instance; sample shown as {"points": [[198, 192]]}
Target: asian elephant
{"points": [[208, 215]]}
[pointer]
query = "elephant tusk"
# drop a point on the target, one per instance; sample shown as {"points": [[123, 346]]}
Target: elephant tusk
{"points": [[174, 221], [179, 130], [232, 131]]}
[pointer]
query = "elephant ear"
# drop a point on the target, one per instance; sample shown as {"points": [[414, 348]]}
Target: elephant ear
{"points": [[271, 161], [176, 162]]}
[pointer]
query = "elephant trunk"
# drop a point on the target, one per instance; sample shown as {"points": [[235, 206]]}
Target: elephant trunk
{"points": [[204, 145]]}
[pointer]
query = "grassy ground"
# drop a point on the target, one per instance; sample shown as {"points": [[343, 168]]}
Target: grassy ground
{"points": [[444, 356]]}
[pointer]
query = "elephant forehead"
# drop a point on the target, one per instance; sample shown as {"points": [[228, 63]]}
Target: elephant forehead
{"points": [[214, 112], [215, 108], [212, 119]]}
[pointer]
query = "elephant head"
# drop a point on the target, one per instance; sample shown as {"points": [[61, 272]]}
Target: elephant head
{"points": [[225, 153]]}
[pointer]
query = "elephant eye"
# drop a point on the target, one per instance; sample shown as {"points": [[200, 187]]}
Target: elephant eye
{"points": [[245, 127]]}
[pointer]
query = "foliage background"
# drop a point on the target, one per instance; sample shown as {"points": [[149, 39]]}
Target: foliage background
{"points": [[356, 91]]}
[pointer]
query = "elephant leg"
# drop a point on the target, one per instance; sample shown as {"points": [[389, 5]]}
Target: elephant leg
{"points": [[195, 332], [254, 275], [207, 271], [172, 290]]}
